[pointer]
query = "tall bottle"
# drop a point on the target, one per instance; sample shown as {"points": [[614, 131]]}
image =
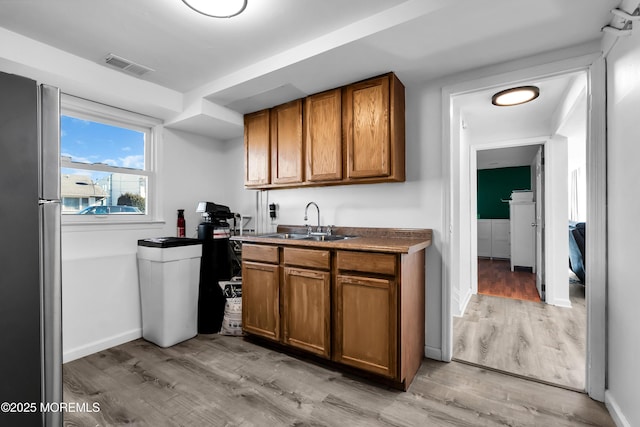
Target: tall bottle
{"points": [[181, 223]]}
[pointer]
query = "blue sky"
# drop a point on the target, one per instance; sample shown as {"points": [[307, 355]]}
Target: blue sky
{"points": [[91, 142]]}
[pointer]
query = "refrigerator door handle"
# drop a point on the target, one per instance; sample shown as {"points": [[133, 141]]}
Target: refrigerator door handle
{"points": [[51, 310], [49, 142]]}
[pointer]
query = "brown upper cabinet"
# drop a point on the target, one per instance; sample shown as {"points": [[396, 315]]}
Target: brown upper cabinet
{"points": [[257, 170], [286, 143], [353, 134], [323, 135], [373, 120]]}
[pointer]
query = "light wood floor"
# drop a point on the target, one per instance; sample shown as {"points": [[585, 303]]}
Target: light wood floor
{"points": [[495, 278], [535, 340], [227, 381]]}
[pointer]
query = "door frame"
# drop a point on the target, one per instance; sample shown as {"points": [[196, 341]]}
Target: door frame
{"points": [[537, 175], [596, 251]]}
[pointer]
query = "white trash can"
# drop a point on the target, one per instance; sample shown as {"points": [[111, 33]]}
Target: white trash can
{"points": [[169, 275]]}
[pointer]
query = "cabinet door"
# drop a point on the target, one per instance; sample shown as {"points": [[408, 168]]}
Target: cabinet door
{"points": [[256, 149], [367, 133], [323, 136], [286, 143], [484, 237], [261, 299], [500, 240], [366, 324], [307, 317]]}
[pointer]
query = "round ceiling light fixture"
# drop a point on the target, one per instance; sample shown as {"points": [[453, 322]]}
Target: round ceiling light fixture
{"points": [[515, 96], [217, 8]]}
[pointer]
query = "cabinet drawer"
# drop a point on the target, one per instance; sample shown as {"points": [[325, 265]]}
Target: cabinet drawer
{"points": [[260, 253], [367, 262], [307, 258]]}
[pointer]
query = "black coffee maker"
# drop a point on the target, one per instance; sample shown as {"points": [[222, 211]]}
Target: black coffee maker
{"points": [[215, 265]]}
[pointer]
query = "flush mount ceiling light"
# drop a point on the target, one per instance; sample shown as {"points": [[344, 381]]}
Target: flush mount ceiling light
{"points": [[217, 8], [515, 96]]}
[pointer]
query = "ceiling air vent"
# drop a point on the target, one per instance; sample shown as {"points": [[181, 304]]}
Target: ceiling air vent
{"points": [[127, 66]]}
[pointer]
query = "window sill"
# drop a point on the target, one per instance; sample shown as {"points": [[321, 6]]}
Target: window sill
{"points": [[109, 226]]}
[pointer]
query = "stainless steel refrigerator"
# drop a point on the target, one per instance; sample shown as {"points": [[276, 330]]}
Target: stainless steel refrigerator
{"points": [[30, 271]]}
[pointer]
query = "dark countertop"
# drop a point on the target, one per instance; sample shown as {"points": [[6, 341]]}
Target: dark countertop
{"points": [[392, 240]]}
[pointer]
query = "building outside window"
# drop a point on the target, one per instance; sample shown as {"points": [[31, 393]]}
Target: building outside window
{"points": [[79, 192]]}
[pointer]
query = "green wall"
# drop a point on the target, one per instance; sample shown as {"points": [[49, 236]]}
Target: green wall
{"points": [[495, 185]]}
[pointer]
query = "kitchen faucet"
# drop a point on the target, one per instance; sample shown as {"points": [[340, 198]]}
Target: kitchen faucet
{"points": [[319, 229]]}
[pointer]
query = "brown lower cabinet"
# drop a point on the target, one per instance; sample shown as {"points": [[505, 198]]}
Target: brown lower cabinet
{"points": [[366, 324], [364, 310], [306, 319], [261, 292]]}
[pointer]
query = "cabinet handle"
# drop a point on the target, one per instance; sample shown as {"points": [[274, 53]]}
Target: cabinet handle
{"points": [[261, 267], [303, 273], [380, 283]]}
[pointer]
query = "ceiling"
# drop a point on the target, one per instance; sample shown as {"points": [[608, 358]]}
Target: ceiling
{"points": [[506, 157], [279, 50], [534, 121]]}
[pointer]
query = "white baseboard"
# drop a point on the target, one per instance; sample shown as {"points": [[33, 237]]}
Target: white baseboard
{"points": [[463, 306], [566, 303], [96, 346], [432, 353], [459, 311], [615, 411]]}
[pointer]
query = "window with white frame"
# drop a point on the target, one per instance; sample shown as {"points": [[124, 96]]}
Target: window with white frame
{"points": [[106, 162]]}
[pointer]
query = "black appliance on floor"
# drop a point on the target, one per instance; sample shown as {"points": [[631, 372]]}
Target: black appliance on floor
{"points": [[215, 265]]}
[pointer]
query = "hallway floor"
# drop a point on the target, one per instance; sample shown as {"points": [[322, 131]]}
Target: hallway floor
{"points": [[495, 278], [530, 339]]}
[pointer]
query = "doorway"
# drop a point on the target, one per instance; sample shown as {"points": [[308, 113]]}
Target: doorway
{"points": [[457, 247], [506, 326], [508, 265]]}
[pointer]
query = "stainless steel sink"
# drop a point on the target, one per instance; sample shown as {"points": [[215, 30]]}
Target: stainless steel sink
{"points": [[291, 236], [313, 237], [327, 237]]}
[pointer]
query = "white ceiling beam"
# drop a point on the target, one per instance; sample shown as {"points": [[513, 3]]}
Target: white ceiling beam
{"points": [[381, 21]]}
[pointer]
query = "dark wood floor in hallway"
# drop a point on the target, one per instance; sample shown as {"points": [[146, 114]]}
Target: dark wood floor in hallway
{"points": [[495, 278], [226, 381]]}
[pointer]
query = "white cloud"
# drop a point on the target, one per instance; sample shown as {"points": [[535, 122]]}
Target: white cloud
{"points": [[134, 162], [126, 148]]}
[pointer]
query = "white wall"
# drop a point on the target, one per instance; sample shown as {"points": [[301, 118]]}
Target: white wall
{"points": [[556, 233], [101, 302], [461, 278], [570, 120], [195, 169], [623, 176]]}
